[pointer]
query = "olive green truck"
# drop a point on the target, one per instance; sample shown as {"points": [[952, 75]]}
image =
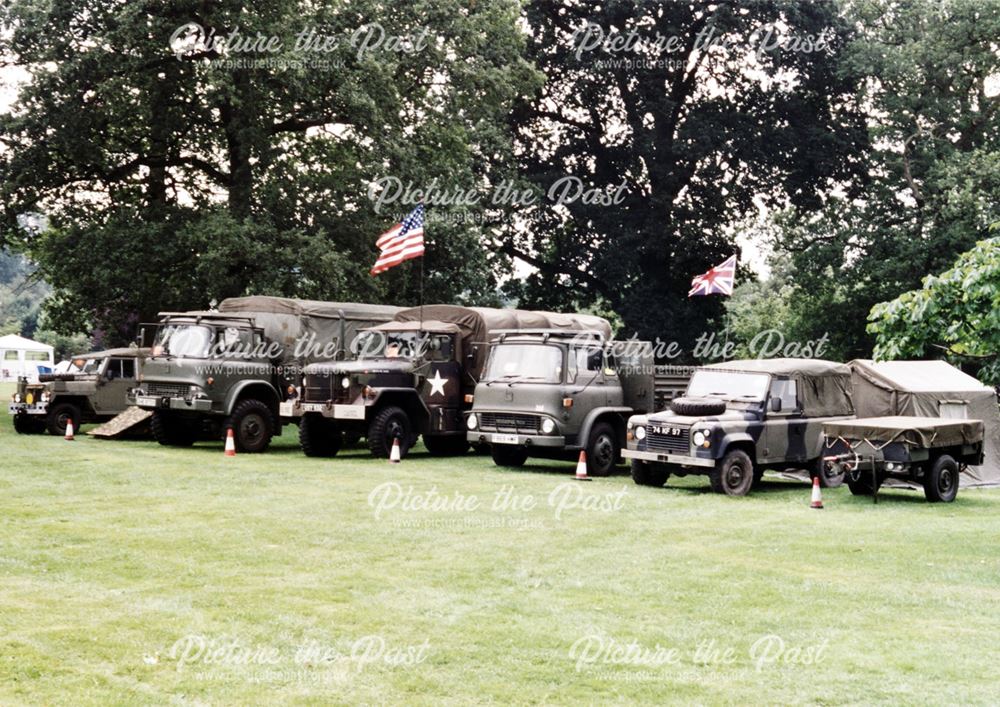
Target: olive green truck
{"points": [[211, 371]]}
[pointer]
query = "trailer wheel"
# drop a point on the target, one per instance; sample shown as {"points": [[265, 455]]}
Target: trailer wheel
{"points": [[862, 485], [390, 423], [59, 415], [828, 478], [941, 482], [509, 455], [733, 474], [602, 450], [170, 431], [649, 474], [252, 424], [319, 436]]}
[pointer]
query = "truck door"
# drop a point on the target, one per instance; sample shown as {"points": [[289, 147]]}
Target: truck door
{"points": [[441, 388], [585, 379], [784, 427]]}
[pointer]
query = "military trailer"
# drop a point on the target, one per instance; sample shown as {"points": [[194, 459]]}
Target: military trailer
{"points": [[413, 376], [232, 368], [925, 450], [551, 393], [93, 389], [738, 419]]}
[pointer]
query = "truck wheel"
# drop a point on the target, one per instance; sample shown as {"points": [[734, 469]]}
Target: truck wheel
{"points": [[446, 445], [27, 425], [828, 478], [59, 415], [389, 424], [509, 455], [649, 474], [170, 431], [252, 424], [941, 482], [319, 436], [733, 474], [862, 485], [602, 450]]}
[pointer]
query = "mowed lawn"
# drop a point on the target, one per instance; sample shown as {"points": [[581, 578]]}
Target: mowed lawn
{"points": [[132, 573]]}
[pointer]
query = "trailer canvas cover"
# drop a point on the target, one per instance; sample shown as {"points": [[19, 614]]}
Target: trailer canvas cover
{"points": [[931, 389]]}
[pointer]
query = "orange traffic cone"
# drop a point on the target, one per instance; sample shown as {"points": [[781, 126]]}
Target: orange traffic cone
{"points": [[394, 455], [230, 443], [817, 496], [69, 431], [581, 468]]}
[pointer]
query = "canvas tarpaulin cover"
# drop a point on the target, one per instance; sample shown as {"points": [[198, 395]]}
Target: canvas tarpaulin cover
{"points": [[309, 325], [931, 389], [923, 432], [823, 387]]}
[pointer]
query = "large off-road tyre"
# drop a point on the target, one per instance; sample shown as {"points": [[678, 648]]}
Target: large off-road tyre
{"points": [[828, 477], [28, 424], [390, 423], [446, 445], [698, 407], [509, 455], [941, 482], [253, 426], [59, 415], [171, 430], [649, 474], [860, 483], [319, 436], [603, 450], [733, 474]]}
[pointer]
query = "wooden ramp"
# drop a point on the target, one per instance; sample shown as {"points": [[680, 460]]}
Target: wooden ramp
{"points": [[134, 422]]}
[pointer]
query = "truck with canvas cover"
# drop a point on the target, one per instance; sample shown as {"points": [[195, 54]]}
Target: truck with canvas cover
{"points": [[232, 368], [739, 418], [552, 393], [94, 388], [413, 376]]}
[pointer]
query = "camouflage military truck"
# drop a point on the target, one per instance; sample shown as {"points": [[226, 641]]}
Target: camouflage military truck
{"points": [[739, 418], [412, 376], [232, 368], [93, 389], [552, 393]]}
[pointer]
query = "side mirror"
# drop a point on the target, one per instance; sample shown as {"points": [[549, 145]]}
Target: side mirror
{"points": [[775, 404], [473, 352], [594, 360]]}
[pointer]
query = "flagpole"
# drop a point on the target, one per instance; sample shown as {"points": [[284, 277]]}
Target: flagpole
{"points": [[421, 293]]}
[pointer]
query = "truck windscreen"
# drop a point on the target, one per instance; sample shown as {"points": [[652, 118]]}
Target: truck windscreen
{"points": [[540, 363]]}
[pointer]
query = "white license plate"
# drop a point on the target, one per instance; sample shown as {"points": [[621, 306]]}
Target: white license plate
{"points": [[146, 400], [503, 439], [349, 412], [314, 407]]}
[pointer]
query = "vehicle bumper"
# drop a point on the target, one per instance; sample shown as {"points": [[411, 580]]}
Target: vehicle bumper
{"points": [[661, 458], [148, 402], [25, 409], [519, 440], [337, 412]]}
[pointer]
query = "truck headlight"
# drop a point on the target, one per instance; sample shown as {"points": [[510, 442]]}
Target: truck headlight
{"points": [[45, 397], [548, 426], [472, 422], [640, 432], [345, 382], [702, 438], [17, 397], [194, 391]]}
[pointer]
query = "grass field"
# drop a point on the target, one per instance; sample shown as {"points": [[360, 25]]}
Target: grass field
{"points": [[132, 573]]}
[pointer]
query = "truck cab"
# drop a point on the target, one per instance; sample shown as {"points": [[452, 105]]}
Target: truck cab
{"points": [[553, 393], [739, 418]]}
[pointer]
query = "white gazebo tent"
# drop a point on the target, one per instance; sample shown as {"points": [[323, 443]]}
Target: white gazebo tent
{"points": [[23, 357]]}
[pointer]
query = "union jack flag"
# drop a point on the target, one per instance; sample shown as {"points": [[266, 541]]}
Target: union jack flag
{"points": [[718, 280], [401, 242]]}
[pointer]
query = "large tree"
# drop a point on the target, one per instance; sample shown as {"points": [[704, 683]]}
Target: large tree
{"points": [[931, 87], [685, 118], [176, 169]]}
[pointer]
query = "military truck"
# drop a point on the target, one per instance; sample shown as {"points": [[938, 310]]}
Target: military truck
{"points": [[413, 376], [552, 393], [211, 371], [94, 388], [739, 418]]}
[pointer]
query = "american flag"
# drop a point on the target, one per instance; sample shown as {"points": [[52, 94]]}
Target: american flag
{"points": [[718, 280], [401, 242]]}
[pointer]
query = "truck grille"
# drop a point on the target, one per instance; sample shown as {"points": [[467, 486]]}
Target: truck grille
{"points": [[510, 421], [167, 390], [671, 439]]}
